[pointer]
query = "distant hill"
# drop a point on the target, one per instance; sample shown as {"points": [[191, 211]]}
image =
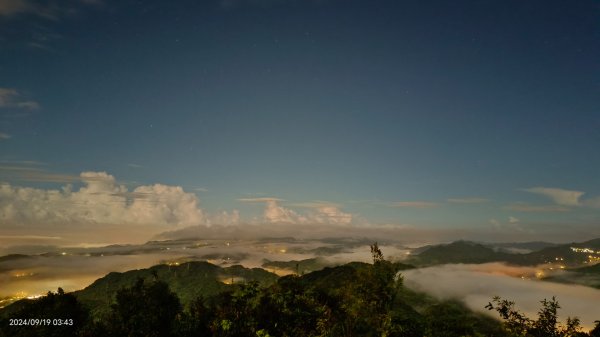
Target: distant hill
{"points": [[594, 243], [188, 280], [345, 300], [12, 257], [458, 252], [529, 246], [595, 269], [588, 276], [472, 252]]}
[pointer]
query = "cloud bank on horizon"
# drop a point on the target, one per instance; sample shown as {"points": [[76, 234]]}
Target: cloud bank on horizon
{"points": [[103, 200], [100, 203]]}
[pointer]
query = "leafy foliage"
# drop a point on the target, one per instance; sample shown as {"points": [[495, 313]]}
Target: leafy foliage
{"points": [[145, 309], [546, 325]]}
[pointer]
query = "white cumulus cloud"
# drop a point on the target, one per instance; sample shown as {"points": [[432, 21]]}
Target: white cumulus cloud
{"points": [[558, 195], [319, 213], [225, 218], [100, 200], [564, 197], [274, 213]]}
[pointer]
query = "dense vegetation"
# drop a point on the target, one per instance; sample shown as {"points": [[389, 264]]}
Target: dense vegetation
{"points": [[356, 299], [546, 325]]}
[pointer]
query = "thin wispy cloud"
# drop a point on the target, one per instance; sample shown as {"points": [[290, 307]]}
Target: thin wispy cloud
{"points": [[595, 202], [47, 10], [522, 207], [4, 136], [314, 204], [37, 45], [230, 4], [474, 200], [11, 98], [511, 225], [45, 16], [413, 204], [35, 174], [29, 237], [260, 199], [12, 7], [93, 2], [23, 162]]}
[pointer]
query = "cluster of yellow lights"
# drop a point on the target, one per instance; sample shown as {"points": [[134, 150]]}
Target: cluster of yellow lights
{"points": [[593, 256], [18, 296], [584, 250], [274, 250]]}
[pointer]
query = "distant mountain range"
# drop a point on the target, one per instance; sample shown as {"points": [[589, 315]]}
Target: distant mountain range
{"points": [[511, 247], [191, 280], [578, 258]]}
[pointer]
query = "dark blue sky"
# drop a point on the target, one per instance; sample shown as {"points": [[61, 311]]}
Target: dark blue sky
{"points": [[385, 108]]}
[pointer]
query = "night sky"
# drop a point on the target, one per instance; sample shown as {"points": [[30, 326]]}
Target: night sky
{"points": [[476, 115]]}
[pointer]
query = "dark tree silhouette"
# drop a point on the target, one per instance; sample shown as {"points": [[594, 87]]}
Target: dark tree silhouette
{"points": [[546, 325], [66, 315], [596, 331], [146, 309]]}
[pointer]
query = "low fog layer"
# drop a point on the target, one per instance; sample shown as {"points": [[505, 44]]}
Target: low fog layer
{"points": [[75, 268], [477, 284]]}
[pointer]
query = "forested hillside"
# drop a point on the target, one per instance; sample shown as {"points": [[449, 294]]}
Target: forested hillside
{"points": [[193, 299]]}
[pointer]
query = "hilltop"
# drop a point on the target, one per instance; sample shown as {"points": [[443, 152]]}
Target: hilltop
{"points": [[188, 280], [471, 252]]}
